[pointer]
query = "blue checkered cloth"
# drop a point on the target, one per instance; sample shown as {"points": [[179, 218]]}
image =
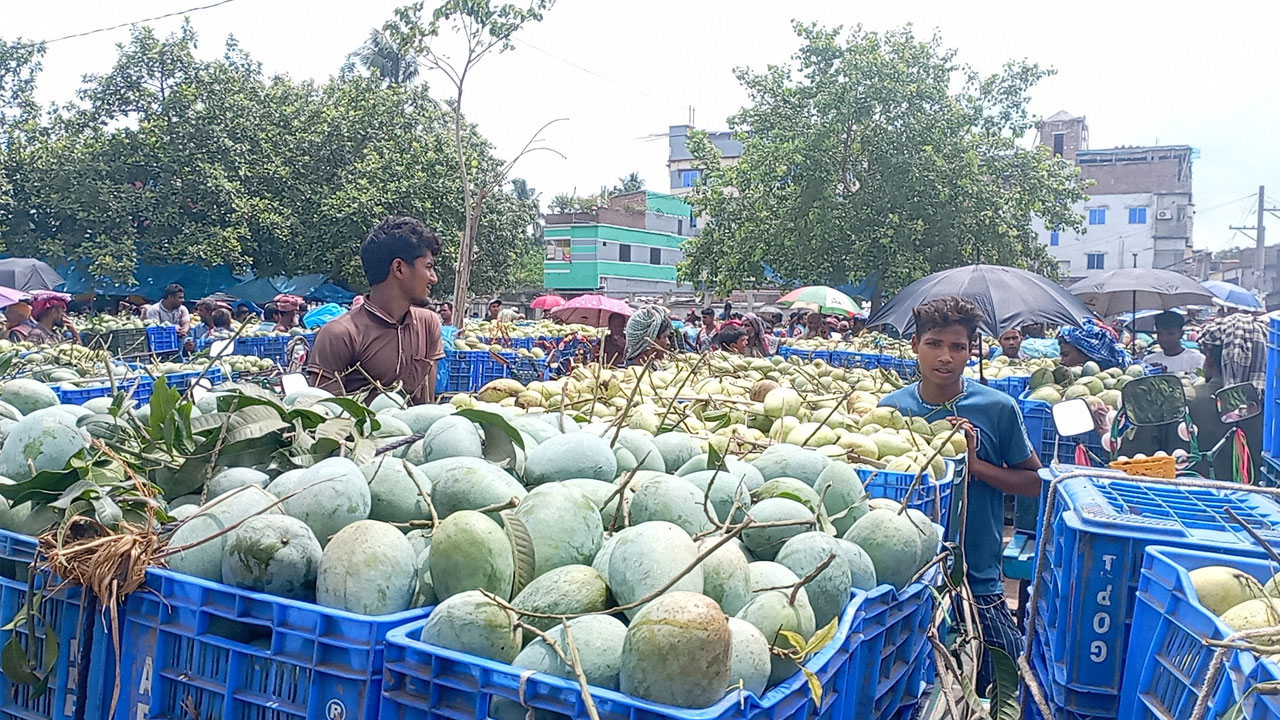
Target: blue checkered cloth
{"points": [[1099, 344]]}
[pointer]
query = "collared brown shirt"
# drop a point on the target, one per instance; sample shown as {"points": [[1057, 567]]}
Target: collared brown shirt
{"points": [[366, 348]]}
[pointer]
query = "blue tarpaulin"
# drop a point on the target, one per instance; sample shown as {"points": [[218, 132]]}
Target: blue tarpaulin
{"points": [[197, 281], [311, 287], [328, 292]]}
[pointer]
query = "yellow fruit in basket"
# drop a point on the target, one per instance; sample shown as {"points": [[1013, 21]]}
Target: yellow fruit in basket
{"points": [[1220, 588]]}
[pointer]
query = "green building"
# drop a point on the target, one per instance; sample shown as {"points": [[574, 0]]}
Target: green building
{"points": [[631, 246]]}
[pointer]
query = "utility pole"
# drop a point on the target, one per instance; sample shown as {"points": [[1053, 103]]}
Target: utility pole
{"points": [[1260, 241]]}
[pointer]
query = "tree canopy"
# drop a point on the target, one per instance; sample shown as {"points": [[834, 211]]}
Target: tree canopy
{"points": [[168, 158], [876, 155]]}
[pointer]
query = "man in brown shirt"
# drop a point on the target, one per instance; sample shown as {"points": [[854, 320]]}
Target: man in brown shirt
{"points": [[388, 342]]}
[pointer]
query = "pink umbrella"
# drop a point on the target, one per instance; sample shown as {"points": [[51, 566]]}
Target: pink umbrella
{"points": [[591, 310], [9, 296], [547, 302]]}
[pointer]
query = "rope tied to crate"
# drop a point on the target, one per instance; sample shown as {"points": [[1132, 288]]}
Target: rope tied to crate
{"points": [[1043, 541]]}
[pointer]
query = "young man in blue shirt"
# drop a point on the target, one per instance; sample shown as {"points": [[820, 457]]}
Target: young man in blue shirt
{"points": [[1001, 459]]}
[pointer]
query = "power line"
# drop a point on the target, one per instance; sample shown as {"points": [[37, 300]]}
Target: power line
{"points": [[612, 81], [126, 24]]}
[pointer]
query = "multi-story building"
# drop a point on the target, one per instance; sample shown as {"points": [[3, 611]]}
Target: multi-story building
{"points": [[629, 247], [1139, 210], [680, 161]]}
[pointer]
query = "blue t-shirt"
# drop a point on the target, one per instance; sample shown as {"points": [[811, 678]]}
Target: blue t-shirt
{"points": [[1002, 442]]}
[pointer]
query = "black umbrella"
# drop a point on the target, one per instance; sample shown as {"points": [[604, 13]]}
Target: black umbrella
{"points": [[1009, 297], [1133, 289], [28, 274]]}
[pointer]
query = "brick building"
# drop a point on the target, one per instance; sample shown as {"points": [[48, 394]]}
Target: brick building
{"points": [[1139, 209]]}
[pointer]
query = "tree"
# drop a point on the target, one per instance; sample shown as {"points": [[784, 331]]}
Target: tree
{"points": [[629, 183], [382, 57], [172, 159], [484, 27], [877, 154]]}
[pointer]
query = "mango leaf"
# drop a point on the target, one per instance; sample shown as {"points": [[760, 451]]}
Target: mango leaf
{"points": [[201, 424], [486, 418], [822, 637], [363, 416], [796, 639], [715, 459], [253, 422], [501, 439], [81, 489], [106, 511], [25, 611], [521, 550], [44, 484], [957, 572], [815, 686], [15, 663]]}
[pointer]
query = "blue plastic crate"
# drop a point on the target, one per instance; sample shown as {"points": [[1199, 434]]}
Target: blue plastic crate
{"points": [[272, 347], [232, 653], [515, 343], [893, 653], [1100, 528], [1271, 399], [1013, 386], [931, 498], [64, 612], [426, 682], [182, 381], [458, 372], [137, 387], [1269, 473], [163, 339], [1057, 695], [1038, 414], [1168, 661]]}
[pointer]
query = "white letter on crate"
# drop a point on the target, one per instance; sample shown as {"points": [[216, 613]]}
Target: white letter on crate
{"points": [[1101, 622], [144, 683], [1097, 651], [1106, 561], [1104, 598]]}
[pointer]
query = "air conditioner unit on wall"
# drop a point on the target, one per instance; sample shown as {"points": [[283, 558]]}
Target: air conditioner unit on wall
{"points": [[1164, 215]]}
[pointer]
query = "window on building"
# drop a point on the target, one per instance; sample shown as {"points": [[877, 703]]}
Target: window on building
{"points": [[1054, 238], [679, 226], [624, 252], [1137, 216], [1064, 267], [688, 178], [1098, 216], [693, 221], [1059, 142], [1097, 261], [655, 256]]}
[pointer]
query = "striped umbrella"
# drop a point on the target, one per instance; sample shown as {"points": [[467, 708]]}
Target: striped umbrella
{"points": [[827, 300]]}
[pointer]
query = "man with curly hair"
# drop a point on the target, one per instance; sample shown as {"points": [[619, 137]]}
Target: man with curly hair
{"points": [[391, 341], [1000, 460]]}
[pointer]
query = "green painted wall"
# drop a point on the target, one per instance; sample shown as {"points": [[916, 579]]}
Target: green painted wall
{"points": [[557, 275], [613, 233], [584, 271], [667, 204]]}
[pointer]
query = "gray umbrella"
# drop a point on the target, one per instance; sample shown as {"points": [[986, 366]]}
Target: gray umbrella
{"points": [[28, 274], [1008, 297], [1132, 289]]}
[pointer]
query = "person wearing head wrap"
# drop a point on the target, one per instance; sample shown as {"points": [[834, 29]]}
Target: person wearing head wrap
{"points": [[287, 308], [648, 334], [758, 338], [1091, 342], [1235, 352], [49, 309], [1236, 347], [18, 322]]}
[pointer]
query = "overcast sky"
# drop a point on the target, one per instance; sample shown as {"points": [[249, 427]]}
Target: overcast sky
{"points": [[621, 72]]}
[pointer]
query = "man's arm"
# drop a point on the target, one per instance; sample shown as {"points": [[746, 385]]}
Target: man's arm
{"points": [[1022, 479], [184, 326]]}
